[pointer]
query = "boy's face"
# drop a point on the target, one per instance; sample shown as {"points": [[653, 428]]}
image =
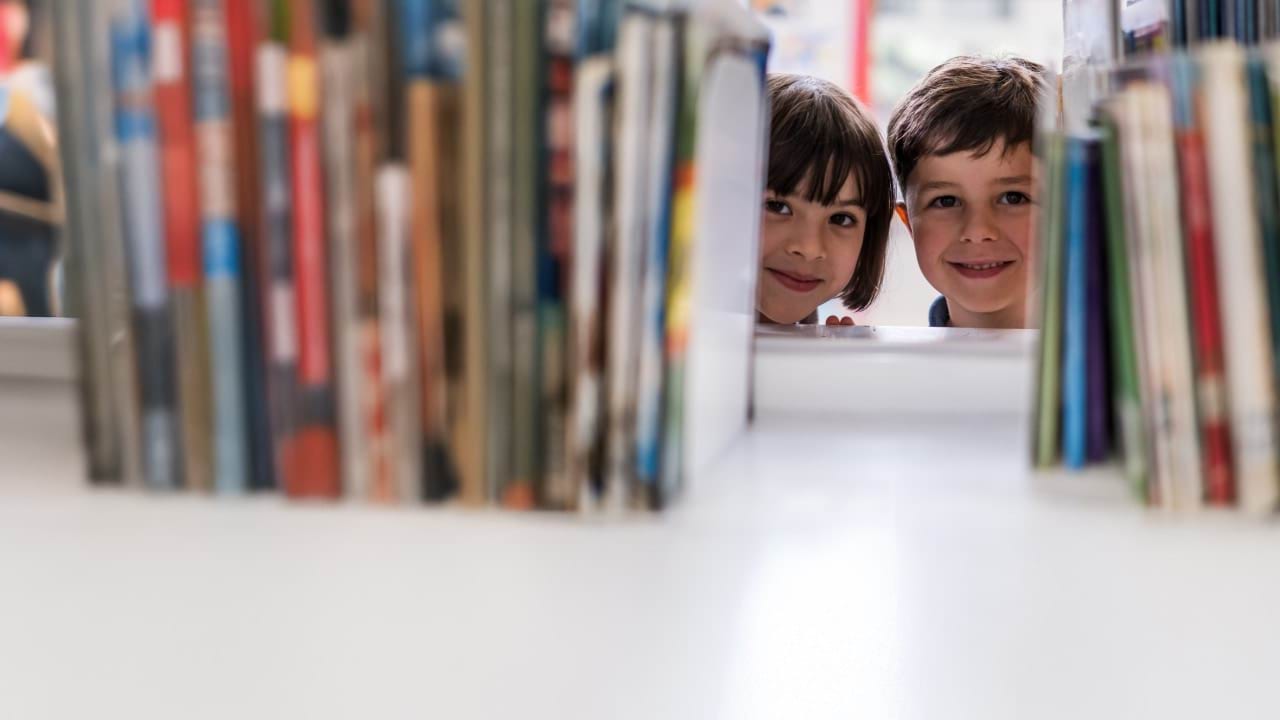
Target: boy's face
{"points": [[972, 221], [808, 251]]}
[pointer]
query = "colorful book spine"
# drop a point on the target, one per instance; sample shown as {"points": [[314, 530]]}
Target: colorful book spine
{"points": [[280, 318], [373, 401], [318, 470], [430, 105], [1250, 373], [1074, 419], [162, 462], [242, 41], [667, 183], [1201, 264], [555, 489], [338, 66], [182, 233]]}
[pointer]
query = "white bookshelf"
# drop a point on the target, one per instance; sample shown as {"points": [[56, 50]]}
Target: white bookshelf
{"points": [[852, 566]]}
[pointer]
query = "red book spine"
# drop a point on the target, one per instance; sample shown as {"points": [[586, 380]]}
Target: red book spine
{"points": [[317, 474], [177, 144], [1206, 319]]}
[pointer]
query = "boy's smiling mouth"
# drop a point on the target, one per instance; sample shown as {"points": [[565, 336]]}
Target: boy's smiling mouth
{"points": [[981, 270], [798, 282]]}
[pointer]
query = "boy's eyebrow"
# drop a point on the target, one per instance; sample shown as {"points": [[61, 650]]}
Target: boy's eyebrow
{"points": [[937, 185], [1013, 180]]}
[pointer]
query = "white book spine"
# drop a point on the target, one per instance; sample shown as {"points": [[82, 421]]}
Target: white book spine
{"points": [[1237, 241]]}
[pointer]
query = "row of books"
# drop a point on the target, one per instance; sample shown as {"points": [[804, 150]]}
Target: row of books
{"points": [[1160, 302], [1160, 24], [500, 250]]}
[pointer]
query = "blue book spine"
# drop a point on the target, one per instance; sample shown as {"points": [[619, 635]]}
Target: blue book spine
{"points": [[155, 350], [1074, 384], [221, 245]]}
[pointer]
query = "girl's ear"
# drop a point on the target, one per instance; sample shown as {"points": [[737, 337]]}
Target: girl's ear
{"points": [[901, 209]]}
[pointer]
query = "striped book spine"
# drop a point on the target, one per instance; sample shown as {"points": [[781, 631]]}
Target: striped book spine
{"points": [[242, 41], [182, 232], [279, 318], [144, 246], [337, 60], [318, 472], [221, 240]]}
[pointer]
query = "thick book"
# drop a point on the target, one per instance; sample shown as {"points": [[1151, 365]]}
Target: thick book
{"points": [[170, 47], [1126, 385], [1075, 237], [243, 33], [1241, 281], [719, 170], [318, 472], [1202, 284], [154, 351]]}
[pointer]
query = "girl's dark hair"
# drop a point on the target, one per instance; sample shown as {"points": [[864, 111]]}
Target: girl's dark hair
{"points": [[820, 136]]}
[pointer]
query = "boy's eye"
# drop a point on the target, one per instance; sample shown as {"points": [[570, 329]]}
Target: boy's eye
{"points": [[1014, 197], [945, 201], [844, 220], [777, 207]]}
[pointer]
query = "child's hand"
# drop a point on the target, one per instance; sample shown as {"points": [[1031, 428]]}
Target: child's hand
{"points": [[833, 320]]}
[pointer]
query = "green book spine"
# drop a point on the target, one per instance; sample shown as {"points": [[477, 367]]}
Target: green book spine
{"points": [[1128, 399], [1049, 394]]}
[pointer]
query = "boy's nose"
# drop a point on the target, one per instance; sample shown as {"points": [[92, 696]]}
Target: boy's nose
{"points": [[978, 227]]}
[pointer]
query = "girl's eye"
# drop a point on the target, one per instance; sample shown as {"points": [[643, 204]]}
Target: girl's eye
{"points": [[777, 207], [945, 201], [844, 220], [1014, 197]]}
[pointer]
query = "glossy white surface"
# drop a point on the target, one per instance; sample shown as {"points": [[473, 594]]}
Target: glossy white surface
{"points": [[886, 569]]}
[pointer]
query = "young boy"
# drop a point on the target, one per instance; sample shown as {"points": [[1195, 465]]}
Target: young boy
{"points": [[827, 206], [961, 147]]}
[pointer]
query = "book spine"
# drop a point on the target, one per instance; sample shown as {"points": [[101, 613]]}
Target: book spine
{"points": [[182, 233], [277, 249], [338, 65], [399, 331], [1250, 375], [518, 490], [1201, 264], [242, 40], [629, 251], [500, 152], [1128, 392], [585, 440], [374, 401], [555, 491], [1266, 194], [1074, 320], [667, 183], [318, 472], [1050, 396], [1097, 372], [144, 245]]}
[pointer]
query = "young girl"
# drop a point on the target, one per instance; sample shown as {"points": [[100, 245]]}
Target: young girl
{"points": [[827, 205]]}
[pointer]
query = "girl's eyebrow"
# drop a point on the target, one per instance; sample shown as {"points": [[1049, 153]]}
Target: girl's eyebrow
{"points": [[851, 202]]}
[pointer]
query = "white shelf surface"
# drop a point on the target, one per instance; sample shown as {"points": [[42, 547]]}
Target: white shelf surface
{"points": [[896, 568]]}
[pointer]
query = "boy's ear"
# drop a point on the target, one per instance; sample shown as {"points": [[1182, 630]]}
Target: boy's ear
{"points": [[901, 209]]}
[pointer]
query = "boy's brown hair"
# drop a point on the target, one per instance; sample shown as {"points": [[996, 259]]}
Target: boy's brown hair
{"points": [[966, 104], [820, 136]]}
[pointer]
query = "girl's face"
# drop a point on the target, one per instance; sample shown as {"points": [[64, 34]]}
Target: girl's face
{"points": [[808, 251]]}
